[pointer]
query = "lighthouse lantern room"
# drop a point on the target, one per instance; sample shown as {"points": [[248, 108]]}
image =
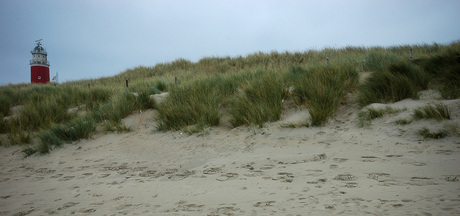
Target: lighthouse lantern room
{"points": [[39, 65]]}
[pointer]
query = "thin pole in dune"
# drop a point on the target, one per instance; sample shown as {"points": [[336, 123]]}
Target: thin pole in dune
{"points": [[127, 84], [327, 62], [410, 54], [89, 86], [175, 80]]}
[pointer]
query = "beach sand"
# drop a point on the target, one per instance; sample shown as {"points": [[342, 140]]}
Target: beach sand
{"points": [[337, 169]]}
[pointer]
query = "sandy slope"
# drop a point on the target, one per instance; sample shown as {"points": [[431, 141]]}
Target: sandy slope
{"points": [[338, 169]]}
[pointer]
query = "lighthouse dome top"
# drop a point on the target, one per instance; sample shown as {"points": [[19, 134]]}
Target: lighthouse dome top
{"points": [[39, 48]]}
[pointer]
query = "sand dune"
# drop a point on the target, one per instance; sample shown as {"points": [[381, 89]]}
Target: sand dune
{"points": [[338, 169]]}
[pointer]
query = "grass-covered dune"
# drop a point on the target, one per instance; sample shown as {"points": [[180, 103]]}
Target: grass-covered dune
{"points": [[227, 91]]}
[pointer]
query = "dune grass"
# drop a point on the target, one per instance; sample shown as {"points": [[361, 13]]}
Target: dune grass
{"points": [[400, 81], [42, 114], [322, 89], [443, 68], [19, 137], [437, 67], [121, 105], [438, 111], [260, 101], [4, 127], [96, 97], [249, 89], [367, 115], [403, 121], [195, 103], [79, 128], [378, 60], [5, 104], [83, 126], [118, 127], [426, 133], [48, 141]]}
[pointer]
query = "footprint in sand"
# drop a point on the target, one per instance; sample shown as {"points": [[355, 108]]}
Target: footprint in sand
{"points": [[285, 177], [168, 174], [264, 203], [254, 173], [351, 184], [312, 172], [421, 181], [86, 211], [192, 207], [57, 176], [25, 212], [453, 178], [419, 178], [67, 168], [377, 176], [104, 175], [345, 177], [67, 205], [393, 155], [329, 207], [368, 158], [267, 167], [248, 166], [444, 152], [148, 173], [29, 194], [333, 166], [319, 157], [44, 171], [211, 171], [339, 160], [66, 178], [226, 211], [123, 206], [114, 183], [181, 175], [324, 180], [183, 206], [227, 176], [415, 163], [118, 198], [83, 167]]}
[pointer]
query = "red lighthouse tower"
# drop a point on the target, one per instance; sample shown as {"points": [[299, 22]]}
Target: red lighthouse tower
{"points": [[39, 65]]}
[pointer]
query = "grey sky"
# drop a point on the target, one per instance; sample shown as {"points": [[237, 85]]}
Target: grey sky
{"points": [[94, 38]]}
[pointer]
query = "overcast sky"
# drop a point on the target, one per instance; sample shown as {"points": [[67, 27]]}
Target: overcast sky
{"points": [[94, 38]]}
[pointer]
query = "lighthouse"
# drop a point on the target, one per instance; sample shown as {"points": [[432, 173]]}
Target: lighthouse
{"points": [[39, 65]]}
